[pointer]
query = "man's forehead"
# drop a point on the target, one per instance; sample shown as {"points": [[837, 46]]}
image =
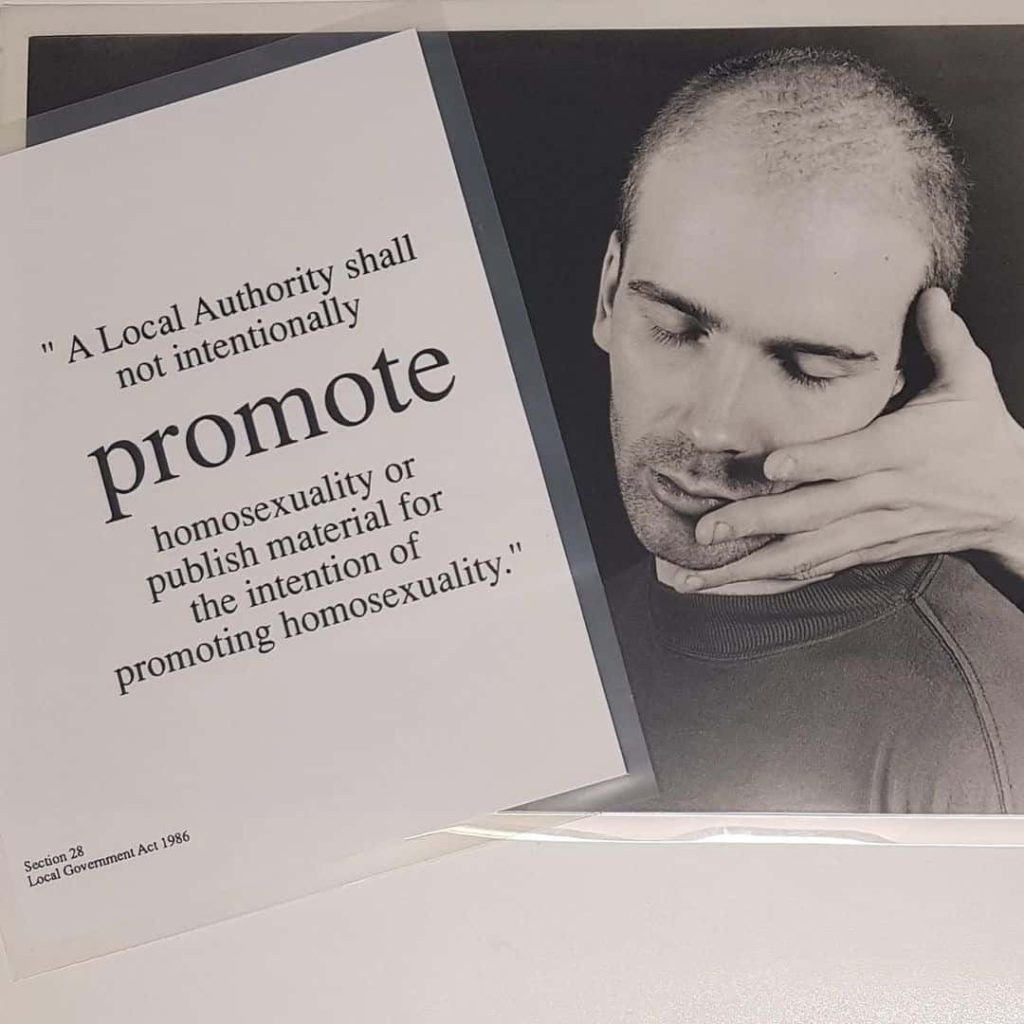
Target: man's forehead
{"points": [[727, 161], [810, 256]]}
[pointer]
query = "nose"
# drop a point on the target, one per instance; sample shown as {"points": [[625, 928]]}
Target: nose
{"points": [[720, 414]]}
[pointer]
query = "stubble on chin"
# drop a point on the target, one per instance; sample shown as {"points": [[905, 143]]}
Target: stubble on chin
{"points": [[664, 532], [670, 537]]}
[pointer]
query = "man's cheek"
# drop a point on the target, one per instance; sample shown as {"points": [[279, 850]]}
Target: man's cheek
{"points": [[635, 407], [651, 403], [838, 409]]}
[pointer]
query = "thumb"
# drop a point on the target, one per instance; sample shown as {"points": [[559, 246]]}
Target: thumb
{"points": [[948, 342]]}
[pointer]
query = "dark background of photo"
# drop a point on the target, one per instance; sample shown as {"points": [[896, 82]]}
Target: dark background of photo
{"points": [[558, 113]]}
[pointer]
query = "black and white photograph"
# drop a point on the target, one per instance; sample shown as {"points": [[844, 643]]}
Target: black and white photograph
{"points": [[809, 444]]}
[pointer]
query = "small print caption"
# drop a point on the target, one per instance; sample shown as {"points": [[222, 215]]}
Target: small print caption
{"points": [[78, 860]]}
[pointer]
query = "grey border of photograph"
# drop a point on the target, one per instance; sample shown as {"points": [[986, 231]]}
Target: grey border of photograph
{"points": [[512, 315]]}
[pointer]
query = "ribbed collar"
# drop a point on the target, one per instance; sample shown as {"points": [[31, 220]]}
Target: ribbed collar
{"points": [[720, 627]]}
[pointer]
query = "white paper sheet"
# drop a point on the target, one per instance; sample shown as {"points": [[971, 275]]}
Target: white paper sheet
{"points": [[155, 772]]}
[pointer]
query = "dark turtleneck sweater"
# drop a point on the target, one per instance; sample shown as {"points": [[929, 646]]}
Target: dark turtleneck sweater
{"points": [[896, 687]]}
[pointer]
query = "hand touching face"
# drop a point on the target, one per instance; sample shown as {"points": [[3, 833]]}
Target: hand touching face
{"points": [[944, 473], [738, 320]]}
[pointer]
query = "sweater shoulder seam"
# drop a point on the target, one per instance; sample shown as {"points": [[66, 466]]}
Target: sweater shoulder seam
{"points": [[920, 585], [971, 681]]}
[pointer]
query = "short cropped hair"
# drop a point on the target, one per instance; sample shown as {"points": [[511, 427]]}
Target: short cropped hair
{"points": [[814, 114]]}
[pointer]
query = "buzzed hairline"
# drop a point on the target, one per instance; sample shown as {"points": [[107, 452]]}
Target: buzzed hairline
{"points": [[825, 113]]}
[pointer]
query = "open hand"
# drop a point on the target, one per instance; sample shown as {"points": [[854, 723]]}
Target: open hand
{"points": [[944, 473]]}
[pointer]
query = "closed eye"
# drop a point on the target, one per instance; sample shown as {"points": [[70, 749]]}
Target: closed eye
{"points": [[798, 367], [675, 339]]}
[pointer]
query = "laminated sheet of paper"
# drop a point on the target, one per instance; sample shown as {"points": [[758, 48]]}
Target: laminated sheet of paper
{"points": [[557, 131], [283, 578]]}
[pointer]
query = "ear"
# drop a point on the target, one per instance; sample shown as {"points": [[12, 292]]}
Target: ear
{"points": [[610, 270], [898, 384]]}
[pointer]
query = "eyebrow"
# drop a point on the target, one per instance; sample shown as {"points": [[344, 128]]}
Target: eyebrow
{"points": [[656, 293], [711, 322], [816, 348]]}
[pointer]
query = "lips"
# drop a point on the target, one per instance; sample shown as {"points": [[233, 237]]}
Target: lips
{"points": [[681, 495]]}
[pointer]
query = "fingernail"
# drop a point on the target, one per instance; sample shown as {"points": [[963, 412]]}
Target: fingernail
{"points": [[693, 582], [723, 531], [779, 469], [705, 533]]}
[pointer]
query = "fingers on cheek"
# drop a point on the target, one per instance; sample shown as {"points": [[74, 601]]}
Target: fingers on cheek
{"points": [[839, 564], [811, 508], [888, 489], [831, 505], [804, 571], [792, 558], [842, 545], [754, 567], [808, 565], [877, 527], [797, 560], [870, 556], [876, 537], [914, 489], [741, 524], [711, 528], [751, 517], [797, 513]]}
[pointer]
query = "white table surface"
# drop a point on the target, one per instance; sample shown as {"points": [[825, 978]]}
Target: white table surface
{"points": [[529, 932]]}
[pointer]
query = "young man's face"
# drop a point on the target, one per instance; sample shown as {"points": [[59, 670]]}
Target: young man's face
{"points": [[740, 319]]}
